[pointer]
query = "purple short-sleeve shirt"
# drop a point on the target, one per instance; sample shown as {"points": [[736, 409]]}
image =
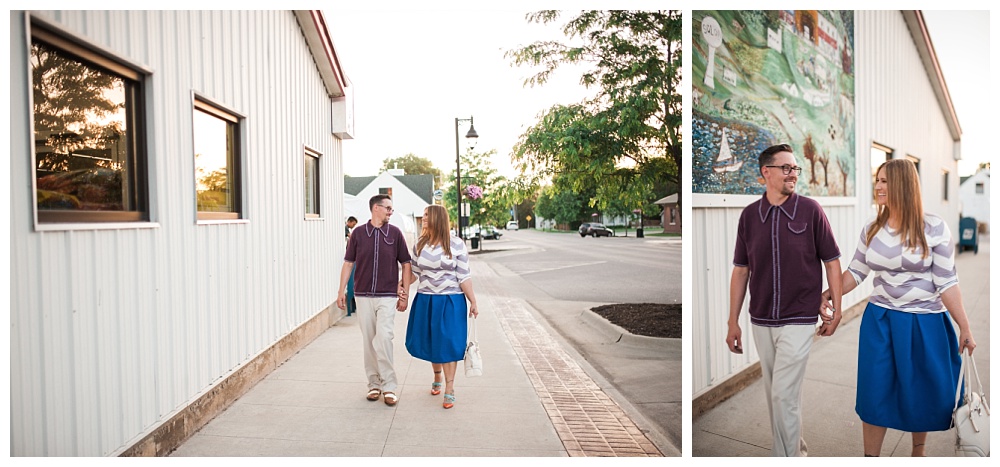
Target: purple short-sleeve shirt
{"points": [[376, 254], [784, 247]]}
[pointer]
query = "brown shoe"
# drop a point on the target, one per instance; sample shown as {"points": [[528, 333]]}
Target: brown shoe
{"points": [[373, 394], [389, 398]]}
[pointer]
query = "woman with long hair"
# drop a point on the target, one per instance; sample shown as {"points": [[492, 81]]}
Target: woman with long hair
{"points": [[908, 355], [437, 328]]}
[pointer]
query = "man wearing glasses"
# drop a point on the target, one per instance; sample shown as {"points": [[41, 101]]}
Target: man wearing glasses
{"points": [[377, 249], [783, 241]]}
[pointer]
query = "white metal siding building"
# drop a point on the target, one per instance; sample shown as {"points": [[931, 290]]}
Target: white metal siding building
{"points": [[902, 105], [116, 328]]}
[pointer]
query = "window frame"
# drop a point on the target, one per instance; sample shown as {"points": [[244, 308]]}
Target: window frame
{"points": [[316, 156], [945, 184], [213, 108], [137, 167]]}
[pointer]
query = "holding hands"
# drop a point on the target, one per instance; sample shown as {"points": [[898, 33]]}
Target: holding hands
{"points": [[829, 315]]}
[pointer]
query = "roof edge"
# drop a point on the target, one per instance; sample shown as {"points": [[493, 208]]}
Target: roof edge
{"points": [[925, 47], [317, 35]]}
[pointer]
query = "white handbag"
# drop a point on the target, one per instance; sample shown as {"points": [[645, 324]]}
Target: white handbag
{"points": [[473, 360], [971, 420]]}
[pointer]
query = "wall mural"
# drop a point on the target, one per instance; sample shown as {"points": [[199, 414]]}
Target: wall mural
{"points": [[775, 77]]}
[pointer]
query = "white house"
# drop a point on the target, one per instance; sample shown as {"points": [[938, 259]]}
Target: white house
{"points": [[410, 195], [902, 110], [171, 222], [975, 195]]}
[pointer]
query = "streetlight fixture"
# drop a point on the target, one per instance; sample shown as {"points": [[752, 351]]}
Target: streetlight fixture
{"points": [[472, 136]]}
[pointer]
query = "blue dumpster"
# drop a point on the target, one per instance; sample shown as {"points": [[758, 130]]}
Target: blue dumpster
{"points": [[968, 235]]}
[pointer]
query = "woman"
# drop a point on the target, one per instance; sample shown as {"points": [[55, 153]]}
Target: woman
{"points": [[908, 356], [437, 330]]}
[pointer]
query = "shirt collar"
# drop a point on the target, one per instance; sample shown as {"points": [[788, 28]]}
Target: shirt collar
{"points": [[370, 229], [789, 207]]}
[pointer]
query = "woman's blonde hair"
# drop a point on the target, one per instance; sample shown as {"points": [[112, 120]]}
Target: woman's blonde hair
{"points": [[436, 232], [903, 190]]}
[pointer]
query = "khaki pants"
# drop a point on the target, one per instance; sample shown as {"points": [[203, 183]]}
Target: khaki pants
{"points": [[784, 352], [377, 318]]}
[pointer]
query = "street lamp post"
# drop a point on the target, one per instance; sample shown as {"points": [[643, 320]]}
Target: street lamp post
{"points": [[472, 136]]}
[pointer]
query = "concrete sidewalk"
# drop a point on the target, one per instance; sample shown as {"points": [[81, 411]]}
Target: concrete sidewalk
{"points": [[533, 400], [739, 426]]}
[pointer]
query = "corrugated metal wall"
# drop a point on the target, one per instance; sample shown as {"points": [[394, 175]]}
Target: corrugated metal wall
{"points": [[112, 330], [895, 107]]}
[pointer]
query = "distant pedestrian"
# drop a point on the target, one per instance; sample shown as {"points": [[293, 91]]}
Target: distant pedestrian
{"points": [[352, 305], [908, 355], [377, 249], [783, 241], [437, 330]]}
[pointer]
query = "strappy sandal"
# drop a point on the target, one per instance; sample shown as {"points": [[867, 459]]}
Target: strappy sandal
{"points": [[436, 386], [374, 394], [389, 398], [449, 401]]}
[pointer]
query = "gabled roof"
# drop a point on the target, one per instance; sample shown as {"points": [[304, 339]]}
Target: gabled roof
{"points": [[668, 200], [420, 185]]}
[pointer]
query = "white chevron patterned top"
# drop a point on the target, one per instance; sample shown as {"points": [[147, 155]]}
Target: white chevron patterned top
{"points": [[903, 280], [436, 273]]}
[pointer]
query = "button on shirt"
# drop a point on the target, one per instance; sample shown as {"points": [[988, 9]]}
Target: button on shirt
{"points": [[376, 254], [784, 248]]}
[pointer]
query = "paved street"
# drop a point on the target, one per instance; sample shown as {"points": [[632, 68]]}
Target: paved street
{"points": [[562, 276]]}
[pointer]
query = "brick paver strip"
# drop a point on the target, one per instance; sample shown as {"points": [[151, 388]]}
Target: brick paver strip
{"points": [[587, 420]]}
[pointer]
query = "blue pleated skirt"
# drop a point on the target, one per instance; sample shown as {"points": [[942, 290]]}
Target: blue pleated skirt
{"points": [[437, 328], [908, 367]]}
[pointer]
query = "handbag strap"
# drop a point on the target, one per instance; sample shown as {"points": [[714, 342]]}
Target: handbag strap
{"points": [[962, 377], [474, 334]]}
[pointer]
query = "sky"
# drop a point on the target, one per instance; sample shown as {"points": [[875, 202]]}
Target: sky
{"points": [[416, 71], [962, 42]]}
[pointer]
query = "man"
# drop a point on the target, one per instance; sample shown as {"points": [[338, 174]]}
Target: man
{"points": [[781, 241], [377, 249], [352, 305]]}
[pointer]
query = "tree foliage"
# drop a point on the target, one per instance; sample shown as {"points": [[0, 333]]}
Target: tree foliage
{"points": [[73, 112], [499, 193], [625, 140], [413, 164]]}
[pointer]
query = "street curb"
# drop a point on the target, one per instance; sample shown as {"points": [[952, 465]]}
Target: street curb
{"points": [[620, 335]]}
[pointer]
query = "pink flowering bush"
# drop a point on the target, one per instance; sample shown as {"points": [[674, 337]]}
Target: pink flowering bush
{"points": [[473, 192]]}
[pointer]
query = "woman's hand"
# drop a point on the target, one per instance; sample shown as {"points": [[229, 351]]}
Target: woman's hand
{"points": [[965, 341], [473, 309], [825, 304]]}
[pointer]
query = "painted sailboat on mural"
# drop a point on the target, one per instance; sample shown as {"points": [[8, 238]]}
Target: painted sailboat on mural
{"points": [[725, 161]]}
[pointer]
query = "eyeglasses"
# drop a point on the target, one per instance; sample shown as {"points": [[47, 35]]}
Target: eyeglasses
{"points": [[787, 169], [387, 208]]}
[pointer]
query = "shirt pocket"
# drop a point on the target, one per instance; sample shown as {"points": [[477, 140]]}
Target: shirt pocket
{"points": [[799, 234]]}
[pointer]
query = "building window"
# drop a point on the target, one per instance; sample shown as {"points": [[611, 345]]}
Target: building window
{"points": [[385, 191], [879, 154], [90, 143], [944, 185], [311, 185], [217, 159], [916, 163], [673, 216], [980, 188]]}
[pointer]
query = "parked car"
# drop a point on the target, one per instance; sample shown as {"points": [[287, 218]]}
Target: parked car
{"points": [[512, 225], [595, 229], [490, 232]]}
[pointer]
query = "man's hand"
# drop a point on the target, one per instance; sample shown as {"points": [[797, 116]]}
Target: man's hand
{"points": [[342, 300], [735, 339], [829, 327], [401, 304], [826, 309]]}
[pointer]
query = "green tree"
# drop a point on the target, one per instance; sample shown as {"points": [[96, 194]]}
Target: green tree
{"points": [[625, 140], [413, 164], [498, 193]]}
